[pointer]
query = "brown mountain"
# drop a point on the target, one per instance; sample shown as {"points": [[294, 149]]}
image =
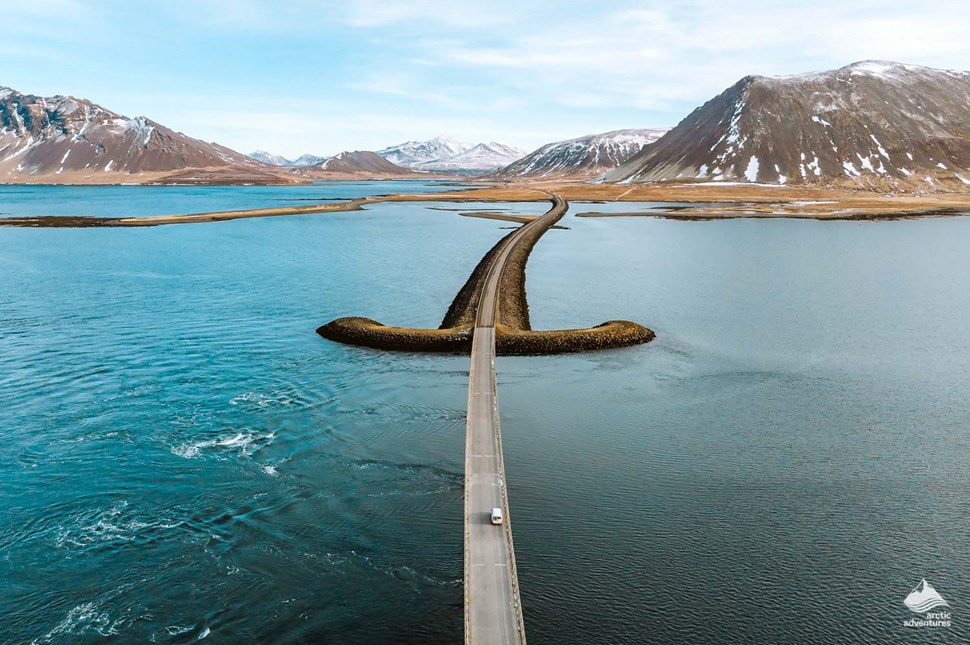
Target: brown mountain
{"points": [[876, 125], [71, 139], [361, 162]]}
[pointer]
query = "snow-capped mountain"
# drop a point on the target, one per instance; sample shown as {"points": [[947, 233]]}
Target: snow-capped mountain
{"points": [[63, 136], [277, 160], [270, 159], [480, 158], [587, 156], [873, 124], [447, 154], [441, 154], [411, 153], [307, 160], [360, 162]]}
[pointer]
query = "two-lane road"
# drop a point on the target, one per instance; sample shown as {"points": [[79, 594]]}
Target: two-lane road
{"points": [[493, 610]]}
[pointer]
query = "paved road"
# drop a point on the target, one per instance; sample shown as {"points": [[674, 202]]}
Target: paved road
{"points": [[493, 611]]}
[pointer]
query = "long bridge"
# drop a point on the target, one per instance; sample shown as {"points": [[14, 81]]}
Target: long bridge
{"points": [[493, 608]]}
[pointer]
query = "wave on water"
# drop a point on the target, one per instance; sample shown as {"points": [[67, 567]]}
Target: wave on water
{"points": [[403, 572], [261, 400], [393, 479], [112, 526], [84, 619], [174, 631], [242, 443], [413, 470], [283, 395], [406, 412]]}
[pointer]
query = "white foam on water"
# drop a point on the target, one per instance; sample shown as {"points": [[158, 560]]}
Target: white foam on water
{"points": [[109, 526], [258, 398], [246, 442], [85, 618]]}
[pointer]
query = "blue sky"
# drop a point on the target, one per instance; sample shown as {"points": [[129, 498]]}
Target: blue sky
{"points": [[293, 76]]}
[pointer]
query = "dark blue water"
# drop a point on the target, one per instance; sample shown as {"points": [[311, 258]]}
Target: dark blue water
{"points": [[185, 458]]}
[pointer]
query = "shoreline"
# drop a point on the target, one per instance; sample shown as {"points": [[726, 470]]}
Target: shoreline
{"points": [[719, 202], [705, 216], [78, 221]]}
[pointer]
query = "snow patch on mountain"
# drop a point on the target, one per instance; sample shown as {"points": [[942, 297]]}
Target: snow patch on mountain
{"points": [[412, 153], [482, 158], [589, 155], [42, 136], [277, 160], [846, 126], [269, 158], [447, 154]]}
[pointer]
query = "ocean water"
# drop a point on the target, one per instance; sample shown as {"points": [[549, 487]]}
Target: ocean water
{"points": [[140, 201], [186, 459]]}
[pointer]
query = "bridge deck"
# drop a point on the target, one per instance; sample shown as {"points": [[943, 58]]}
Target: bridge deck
{"points": [[493, 609]]}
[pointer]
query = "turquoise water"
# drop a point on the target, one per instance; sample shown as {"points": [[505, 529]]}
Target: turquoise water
{"points": [[184, 457], [140, 201]]}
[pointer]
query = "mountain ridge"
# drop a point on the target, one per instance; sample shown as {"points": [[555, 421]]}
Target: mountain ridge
{"points": [[360, 161], [877, 125], [65, 135], [590, 155], [447, 154], [280, 161], [480, 158]]}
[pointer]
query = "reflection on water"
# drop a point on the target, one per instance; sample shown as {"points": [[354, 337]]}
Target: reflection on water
{"points": [[184, 457]]}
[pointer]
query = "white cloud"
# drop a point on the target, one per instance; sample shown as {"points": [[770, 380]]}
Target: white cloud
{"points": [[659, 57], [368, 73]]}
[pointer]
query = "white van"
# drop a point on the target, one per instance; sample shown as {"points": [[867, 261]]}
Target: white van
{"points": [[496, 515]]}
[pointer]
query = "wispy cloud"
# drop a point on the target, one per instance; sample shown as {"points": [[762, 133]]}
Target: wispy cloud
{"points": [[659, 57], [328, 75], [470, 14]]}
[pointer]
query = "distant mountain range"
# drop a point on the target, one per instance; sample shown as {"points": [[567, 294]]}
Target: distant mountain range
{"points": [[478, 159], [270, 159], [62, 139], [875, 125], [411, 153], [446, 154], [871, 125], [72, 138], [587, 156], [443, 154]]}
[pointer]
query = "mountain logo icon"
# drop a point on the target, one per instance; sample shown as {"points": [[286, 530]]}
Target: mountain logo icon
{"points": [[924, 598]]}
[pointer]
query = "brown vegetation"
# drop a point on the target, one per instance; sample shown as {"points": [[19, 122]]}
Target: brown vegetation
{"points": [[732, 201]]}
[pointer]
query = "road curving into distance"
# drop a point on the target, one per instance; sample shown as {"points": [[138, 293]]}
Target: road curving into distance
{"points": [[513, 331]]}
